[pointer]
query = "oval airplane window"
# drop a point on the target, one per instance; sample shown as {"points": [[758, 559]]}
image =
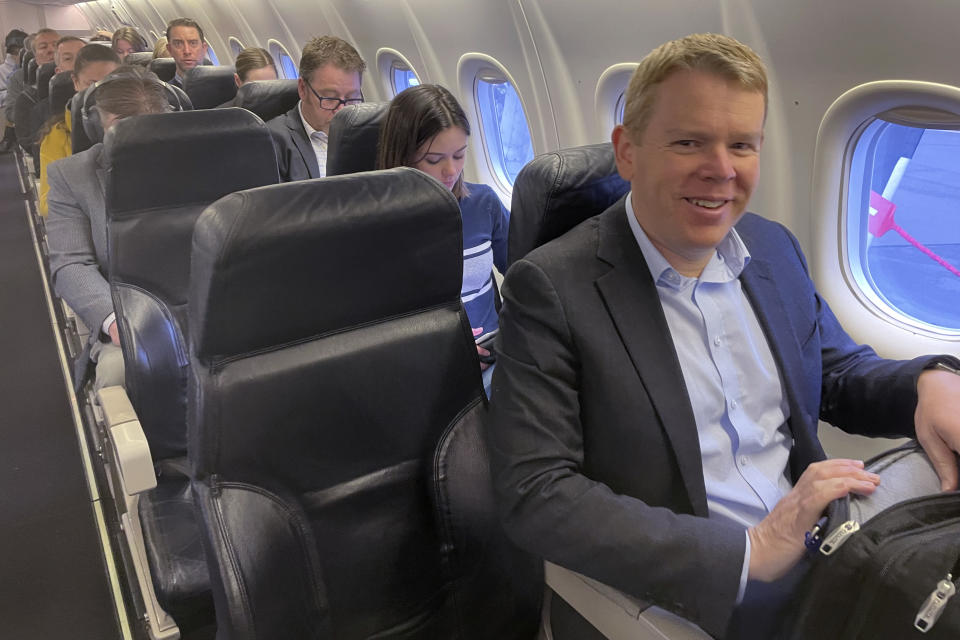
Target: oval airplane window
{"points": [[885, 225], [212, 55], [503, 124], [902, 226], [288, 68], [610, 98], [235, 46], [396, 71]]}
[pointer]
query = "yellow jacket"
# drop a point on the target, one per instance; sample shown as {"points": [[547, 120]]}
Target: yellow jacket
{"points": [[55, 145]]}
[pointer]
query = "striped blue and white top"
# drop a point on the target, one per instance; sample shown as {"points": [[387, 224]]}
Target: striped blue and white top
{"points": [[485, 223]]}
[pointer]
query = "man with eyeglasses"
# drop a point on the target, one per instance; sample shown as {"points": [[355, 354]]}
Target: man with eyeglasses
{"points": [[330, 74]]}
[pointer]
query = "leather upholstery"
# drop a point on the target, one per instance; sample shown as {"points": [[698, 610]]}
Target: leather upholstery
{"points": [[28, 57], [155, 191], [315, 411], [557, 191], [210, 87], [498, 587], [61, 91], [354, 133], [44, 74], [79, 140], [267, 98], [142, 58], [178, 99], [165, 68], [31, 75]]}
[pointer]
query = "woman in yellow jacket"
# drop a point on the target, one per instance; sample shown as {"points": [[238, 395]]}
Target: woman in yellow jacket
{"points": [[93, 63]]}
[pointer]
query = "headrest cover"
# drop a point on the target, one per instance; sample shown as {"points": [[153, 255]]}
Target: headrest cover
{"points": [[44, 74], [209, 87], [268, 98], [557, 191], [354, 133], [61, 91], [141, 58], [79, 139], [165, 68], [157, 145], [283, 263]]}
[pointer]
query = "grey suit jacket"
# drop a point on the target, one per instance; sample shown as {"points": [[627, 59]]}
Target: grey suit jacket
{"points": [[594, 446], [77, 235], [295, 156]]}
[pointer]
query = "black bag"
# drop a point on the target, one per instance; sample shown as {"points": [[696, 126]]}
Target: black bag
{"points": [[888, 565]]}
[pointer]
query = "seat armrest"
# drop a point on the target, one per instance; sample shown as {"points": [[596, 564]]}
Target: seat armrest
{"points": [[131, 451], [615, 614]]}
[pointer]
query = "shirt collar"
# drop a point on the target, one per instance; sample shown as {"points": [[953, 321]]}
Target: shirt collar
{"points": [[727, 262], [306, 125]]}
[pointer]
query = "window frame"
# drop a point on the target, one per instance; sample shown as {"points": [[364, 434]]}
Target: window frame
{"points": [[387, 60], [610, 96], [841, 129], [235, 46], [277, 50], [470, 68]]}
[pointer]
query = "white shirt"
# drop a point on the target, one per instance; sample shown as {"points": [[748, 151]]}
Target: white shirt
{"points": [[319, 141]]}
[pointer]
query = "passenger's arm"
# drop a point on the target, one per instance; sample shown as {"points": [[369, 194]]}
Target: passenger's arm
{"points": [[938, 422], [501, 225], [73, 258], [686, 564]]}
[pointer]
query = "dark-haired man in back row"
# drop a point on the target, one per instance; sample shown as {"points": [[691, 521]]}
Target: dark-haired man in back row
{"points": [[331, 71], [186, 45]]}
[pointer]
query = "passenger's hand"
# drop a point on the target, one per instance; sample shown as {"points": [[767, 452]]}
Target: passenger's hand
{"points": [[937, 420], [114, 333], [483, 352], [776, 542]]}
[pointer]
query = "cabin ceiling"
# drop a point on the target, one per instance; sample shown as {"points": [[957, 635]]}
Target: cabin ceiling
{"points": [[61, 3]]}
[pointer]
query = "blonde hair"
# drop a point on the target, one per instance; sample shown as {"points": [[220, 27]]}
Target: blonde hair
{"points": [[160, 49], [709, 52], [132, 36], [251, 59]]}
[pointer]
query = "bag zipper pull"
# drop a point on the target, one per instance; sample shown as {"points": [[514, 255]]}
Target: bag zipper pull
{"points": [[932, 609], [838, 536]]}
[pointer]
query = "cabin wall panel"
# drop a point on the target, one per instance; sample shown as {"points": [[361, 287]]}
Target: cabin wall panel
{"points": [[18, 15]]}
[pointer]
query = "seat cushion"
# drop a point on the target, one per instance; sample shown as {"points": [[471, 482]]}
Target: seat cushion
{"points": [[178, 566]]}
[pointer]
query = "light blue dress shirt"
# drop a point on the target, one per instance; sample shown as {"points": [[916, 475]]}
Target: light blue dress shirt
{"points": [[732, 381]]}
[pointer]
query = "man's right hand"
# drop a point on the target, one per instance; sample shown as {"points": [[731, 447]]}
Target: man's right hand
{"points": [[113, 333], [776, 542]]}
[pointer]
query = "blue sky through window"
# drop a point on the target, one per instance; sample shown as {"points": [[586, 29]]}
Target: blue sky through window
{"points": [[505, 128]]}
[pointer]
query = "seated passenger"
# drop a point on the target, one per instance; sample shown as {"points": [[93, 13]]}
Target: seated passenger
{"points": [[76, 228], [160, 49], [93, 62], [254, 63], [331, 71], [67, 49], [127, 40], [186, 45], [662, 367], [438, 147]]}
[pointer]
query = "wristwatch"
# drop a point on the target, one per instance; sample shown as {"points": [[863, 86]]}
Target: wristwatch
{"points": [[943, 366]]}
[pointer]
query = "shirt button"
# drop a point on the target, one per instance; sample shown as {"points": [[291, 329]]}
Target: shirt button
{"points": [[744, 461], [716, 341], [733, 404]]}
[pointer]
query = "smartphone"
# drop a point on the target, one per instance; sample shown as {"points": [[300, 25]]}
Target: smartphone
{"points": [[486, 341]]}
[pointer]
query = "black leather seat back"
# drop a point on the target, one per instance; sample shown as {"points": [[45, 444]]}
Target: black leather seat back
{"points": [[44, 74], [557, 191], [61, 91], [156, 189], [317, 398], [31, 75], [165, 68], [141, 58], [178, 99], [354, 133], [210, 87], [267, 98], [25, 61]]}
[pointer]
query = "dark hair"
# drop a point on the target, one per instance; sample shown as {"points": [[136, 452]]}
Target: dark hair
{"points": [[60, 94], [15, 37], [330, 50], [184, 22], [94, 53], [416, 116], [131, 90], [252, 58], [131, 35]]}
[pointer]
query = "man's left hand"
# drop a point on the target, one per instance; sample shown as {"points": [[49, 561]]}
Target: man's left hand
{"points": [[937, 421]]}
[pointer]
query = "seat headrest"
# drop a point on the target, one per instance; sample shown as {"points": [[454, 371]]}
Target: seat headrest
{"points": [[27, 58], [354, 133], [79, 140], [209, 87], [44, 74], [91, 117], [165, 68], [262, 259], [153, 146], [557, 191], [31, 74], [61, 91], [268, 98], [141, 58]]}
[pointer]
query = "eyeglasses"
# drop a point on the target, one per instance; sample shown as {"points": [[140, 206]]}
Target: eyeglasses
{"points": [[332, 104]]}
